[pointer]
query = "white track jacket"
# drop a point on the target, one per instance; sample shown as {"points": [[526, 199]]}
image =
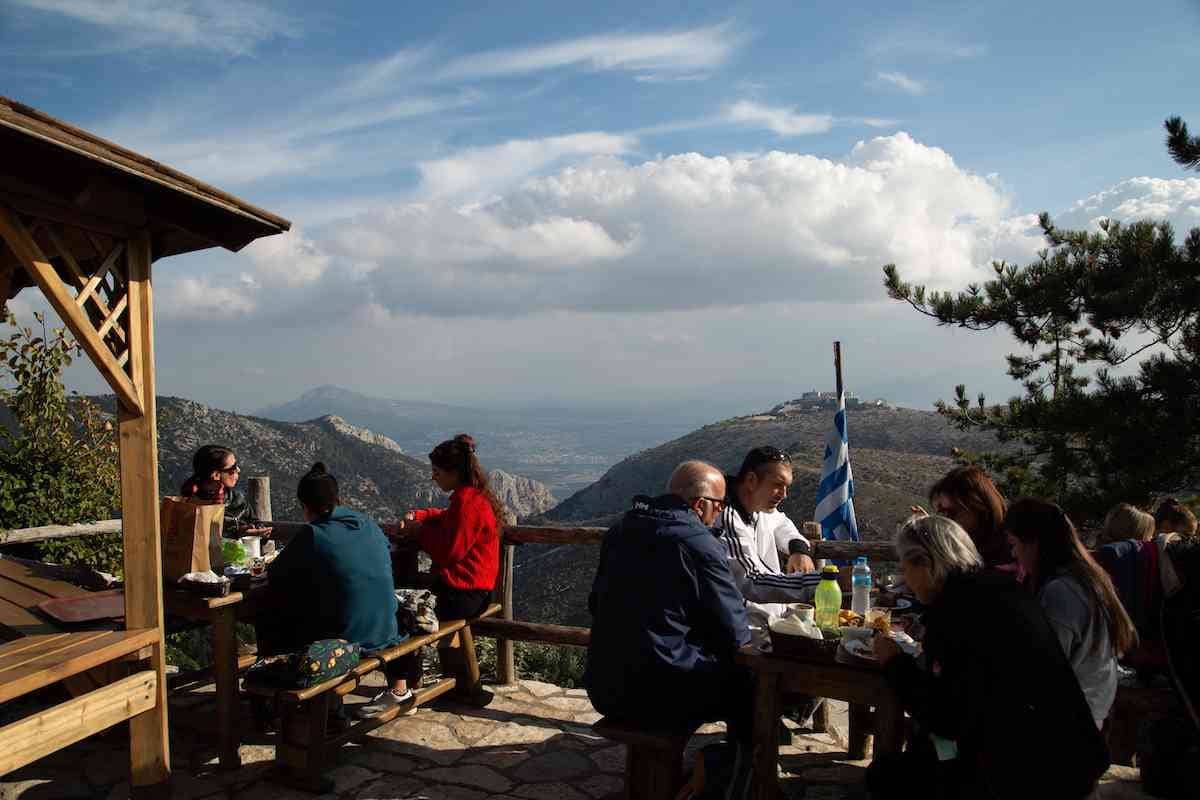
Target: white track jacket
{"points": [[754, 550]]}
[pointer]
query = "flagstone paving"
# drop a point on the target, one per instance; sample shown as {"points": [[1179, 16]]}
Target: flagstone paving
{"points": [[533, 742]]}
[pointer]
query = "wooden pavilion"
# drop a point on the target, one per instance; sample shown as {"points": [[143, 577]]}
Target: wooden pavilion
{"points": [[83, 220]]}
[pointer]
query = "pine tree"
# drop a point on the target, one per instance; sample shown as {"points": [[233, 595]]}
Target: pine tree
{"points": [[1110, 323]]}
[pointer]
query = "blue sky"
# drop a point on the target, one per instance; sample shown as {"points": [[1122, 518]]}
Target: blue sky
{"points": [[671, 203]]}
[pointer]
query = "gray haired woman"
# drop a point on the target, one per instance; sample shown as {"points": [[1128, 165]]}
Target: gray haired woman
{"points": [[999, 710]]}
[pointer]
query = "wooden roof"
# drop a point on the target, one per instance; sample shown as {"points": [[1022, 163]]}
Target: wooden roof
{"points": [[55, 170]]}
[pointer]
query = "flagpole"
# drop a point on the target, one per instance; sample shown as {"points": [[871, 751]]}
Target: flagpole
{"points": [[837, 366]]}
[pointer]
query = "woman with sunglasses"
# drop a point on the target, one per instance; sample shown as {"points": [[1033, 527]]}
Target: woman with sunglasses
{"points": [[968, 496], [215, 473]]}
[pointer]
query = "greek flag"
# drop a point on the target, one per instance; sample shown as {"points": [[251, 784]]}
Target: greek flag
{"points": [[835, 495]]}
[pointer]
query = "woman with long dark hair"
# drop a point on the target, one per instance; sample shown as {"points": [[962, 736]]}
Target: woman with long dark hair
{"points": [[463, 540], [215, 473], [997, 711], [1076, 594], [968, 496]]}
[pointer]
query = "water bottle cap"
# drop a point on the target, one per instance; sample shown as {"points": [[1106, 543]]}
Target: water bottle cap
{"points": [[860, 560]]}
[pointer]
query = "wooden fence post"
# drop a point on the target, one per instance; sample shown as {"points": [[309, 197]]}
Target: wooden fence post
{"points": [[506, 668], [258, 495]]}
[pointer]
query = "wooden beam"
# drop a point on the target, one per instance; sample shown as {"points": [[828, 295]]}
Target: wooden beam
{"points": [[150, 754], [506, 665], [49, 731], [527, 534], [111, 318], [533, 632], [97, 276], [43, 273], [44, 532]]}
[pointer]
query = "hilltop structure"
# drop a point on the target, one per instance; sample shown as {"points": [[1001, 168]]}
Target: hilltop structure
{"points": [[821, 401]]}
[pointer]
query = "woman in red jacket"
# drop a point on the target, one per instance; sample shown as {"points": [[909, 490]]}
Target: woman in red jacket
{"points": [[462, 540]]}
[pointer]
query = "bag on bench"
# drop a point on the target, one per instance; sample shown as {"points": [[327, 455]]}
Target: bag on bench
{"points": [[317, 663]]}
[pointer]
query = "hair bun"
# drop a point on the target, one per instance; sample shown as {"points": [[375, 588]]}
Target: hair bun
{"points": [[318, 469], [466, 440]]}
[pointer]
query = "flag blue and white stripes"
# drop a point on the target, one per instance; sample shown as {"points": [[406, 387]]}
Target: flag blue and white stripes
{"points": [[835, 495]]}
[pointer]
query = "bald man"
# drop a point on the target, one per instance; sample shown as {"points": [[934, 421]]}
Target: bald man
{"points": [[667, 618]]}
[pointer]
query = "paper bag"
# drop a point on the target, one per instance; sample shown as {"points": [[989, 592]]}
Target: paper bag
{"points": [[191, 537]]}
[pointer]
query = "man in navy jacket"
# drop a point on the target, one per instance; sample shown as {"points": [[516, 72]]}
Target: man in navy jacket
{"points": [[667, 618]]}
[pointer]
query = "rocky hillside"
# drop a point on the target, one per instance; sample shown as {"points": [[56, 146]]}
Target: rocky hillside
{"points": [[896, 455], [374, 474]]}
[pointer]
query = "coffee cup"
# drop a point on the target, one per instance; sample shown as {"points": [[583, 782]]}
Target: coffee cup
{"points": [[253, 546], [804, 611]]}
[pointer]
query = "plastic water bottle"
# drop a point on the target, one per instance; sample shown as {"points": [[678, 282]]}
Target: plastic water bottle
{"points": [[829, 598], [860, 599]]}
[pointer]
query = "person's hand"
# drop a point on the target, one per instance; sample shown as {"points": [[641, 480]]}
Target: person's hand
{"points": [[393, 529], [885, 649], [262, 531], [918, 511], [800, 562], [410, 516]]}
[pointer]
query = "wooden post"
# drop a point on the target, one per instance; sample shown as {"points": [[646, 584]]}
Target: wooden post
{"points": [[837, 367], [258, 494], [150, 754], [506, 667]]}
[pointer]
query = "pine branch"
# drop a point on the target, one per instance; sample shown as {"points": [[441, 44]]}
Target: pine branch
{"points": [[1184, 149]]}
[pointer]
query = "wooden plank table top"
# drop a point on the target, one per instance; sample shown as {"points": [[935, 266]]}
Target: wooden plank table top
{"points": [[22, 587], [33, 662]]}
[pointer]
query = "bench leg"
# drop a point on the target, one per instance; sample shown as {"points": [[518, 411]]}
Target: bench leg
{"points": [[462, 663], [302, 754], [225, 677], [860, 730], [652, 774]]}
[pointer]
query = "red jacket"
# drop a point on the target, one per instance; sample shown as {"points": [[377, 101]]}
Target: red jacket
{"points": [[462, 540]]}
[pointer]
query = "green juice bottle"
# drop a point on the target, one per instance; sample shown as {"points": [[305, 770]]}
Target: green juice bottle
{"points": [[829, 598]]}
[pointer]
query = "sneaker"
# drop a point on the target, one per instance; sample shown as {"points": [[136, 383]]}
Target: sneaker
{"points": [[382, 702]]}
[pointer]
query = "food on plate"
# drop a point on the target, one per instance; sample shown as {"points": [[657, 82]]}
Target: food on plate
{"points": [[847, 618], [882, 623]]}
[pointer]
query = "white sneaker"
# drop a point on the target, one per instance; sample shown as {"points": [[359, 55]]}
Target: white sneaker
{"points": [[382, 702]]}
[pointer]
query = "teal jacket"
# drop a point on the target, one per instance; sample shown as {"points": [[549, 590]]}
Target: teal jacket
{"points": [[335, 580]]}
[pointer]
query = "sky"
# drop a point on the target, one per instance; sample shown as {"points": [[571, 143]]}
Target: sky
{"points": [[660, 205]]}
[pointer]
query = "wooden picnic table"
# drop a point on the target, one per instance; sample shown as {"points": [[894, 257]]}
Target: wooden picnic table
{"points": [[873, 705]]}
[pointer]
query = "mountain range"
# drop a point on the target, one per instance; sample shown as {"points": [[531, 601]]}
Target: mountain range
{"points": [[566, 449], [374, 474]]}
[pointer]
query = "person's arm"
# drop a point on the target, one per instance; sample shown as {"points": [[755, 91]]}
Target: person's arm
{"points": [[760, 585], [721, 598], [938, 701], [448, 536], [422, 515], [789, 540]]}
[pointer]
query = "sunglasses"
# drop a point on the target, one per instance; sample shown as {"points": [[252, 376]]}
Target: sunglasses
{"points": [[720, 504], [231, 469], [762, 455]]}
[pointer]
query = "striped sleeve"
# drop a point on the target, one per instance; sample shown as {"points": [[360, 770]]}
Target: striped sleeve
{"points": [[757, 583]]}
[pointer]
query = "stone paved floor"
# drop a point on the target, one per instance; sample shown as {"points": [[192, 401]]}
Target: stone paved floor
{"points": [[533, 742]]}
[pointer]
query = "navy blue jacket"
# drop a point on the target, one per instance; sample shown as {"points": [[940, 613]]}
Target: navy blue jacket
{"points": [[663, 603]]}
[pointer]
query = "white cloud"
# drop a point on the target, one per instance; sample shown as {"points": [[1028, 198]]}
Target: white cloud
{"points": [[203, 298], [684, 51], [287, 260], [480, 170], [783, 121], [1175, 200], [690, 231], [228, 27], [902, 82], [878, 122]]}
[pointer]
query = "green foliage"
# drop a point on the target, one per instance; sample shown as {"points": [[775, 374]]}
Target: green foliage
{"points": [[58, 463], [1081, 433], [1183, 148], [562, 666]]}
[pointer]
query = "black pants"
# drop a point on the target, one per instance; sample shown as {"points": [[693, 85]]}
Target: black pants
{"points": [[687, 700], [451, 604]]}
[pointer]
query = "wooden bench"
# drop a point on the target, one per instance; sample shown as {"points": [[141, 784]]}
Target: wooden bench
{"points": [[37, 661], [653, 759], [307, 746]]}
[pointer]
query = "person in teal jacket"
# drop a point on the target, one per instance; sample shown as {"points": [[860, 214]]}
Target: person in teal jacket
{"points": [[332, 581]]}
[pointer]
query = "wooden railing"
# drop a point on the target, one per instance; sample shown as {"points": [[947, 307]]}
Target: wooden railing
{"points": [[505, 629]]}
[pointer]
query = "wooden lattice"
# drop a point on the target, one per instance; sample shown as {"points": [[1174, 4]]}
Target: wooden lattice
{"points": [[85, 276]]}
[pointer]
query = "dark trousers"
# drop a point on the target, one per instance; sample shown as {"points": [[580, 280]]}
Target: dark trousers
{"points": [[451, 604], [686, 700]]}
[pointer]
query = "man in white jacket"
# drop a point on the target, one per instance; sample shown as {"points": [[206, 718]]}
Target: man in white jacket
{"points": [[757, 533]]}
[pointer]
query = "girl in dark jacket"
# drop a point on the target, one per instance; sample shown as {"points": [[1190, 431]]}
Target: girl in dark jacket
{"points": [[463, 540], [215, 473], [1000, 710]]}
